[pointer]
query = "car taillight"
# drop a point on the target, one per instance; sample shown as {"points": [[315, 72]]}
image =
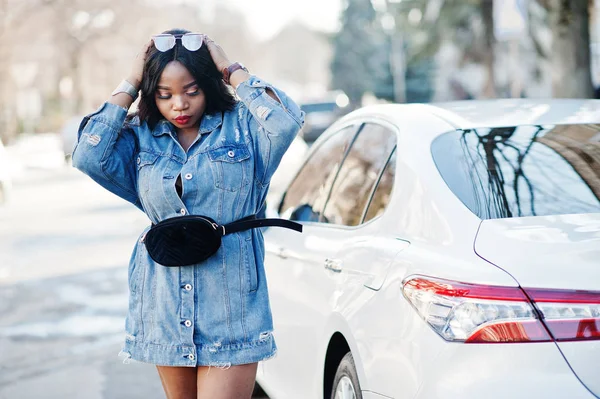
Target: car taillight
{"points": [[473, 313], [569, 315]]}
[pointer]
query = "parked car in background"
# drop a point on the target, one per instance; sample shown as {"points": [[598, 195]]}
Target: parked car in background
{"points": [[5, 176], [69, 136], [449, 251], [322, 112]]}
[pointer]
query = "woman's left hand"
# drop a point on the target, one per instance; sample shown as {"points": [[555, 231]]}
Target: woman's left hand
{"points": [[217, 53]]}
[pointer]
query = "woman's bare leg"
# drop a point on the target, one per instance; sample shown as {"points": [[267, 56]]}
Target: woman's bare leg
{"points": [[235, 382], [178, 382]]}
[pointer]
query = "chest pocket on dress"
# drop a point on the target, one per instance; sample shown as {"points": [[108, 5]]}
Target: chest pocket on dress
{"points": [[145, 165], [230, 166]]}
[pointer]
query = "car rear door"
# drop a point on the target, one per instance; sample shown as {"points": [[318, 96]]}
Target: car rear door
{"points": [[298, 287], [334, 256]]}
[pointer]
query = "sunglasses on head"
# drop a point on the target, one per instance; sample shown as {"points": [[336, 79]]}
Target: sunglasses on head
{"points": [[166, 41]]}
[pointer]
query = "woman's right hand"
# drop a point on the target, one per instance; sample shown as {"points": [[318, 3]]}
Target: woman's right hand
{"points": [[137, 70]]}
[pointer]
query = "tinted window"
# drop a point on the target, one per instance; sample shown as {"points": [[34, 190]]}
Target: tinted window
{"points": [[307, 194], [523, 171], [383, 192], [358, 175]]}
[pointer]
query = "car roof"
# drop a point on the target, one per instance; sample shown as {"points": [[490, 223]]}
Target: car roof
{"points": [[471, 114]]}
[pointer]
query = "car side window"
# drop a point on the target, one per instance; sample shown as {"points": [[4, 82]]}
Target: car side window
{"points": [[383, 191], [306, 195], [358, 175]]}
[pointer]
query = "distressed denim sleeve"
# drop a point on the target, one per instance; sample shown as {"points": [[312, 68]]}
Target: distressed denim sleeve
{"points": [[273, 125], [105, 151]]}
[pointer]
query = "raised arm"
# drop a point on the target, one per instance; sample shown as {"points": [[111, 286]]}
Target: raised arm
{"points": [[107, 145], [273, 118]]}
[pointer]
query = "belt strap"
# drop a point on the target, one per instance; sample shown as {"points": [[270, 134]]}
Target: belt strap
{"points": [[251, 222]]}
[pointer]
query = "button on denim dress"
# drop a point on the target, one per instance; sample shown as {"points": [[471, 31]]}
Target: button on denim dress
{"points": [[217, 312]]}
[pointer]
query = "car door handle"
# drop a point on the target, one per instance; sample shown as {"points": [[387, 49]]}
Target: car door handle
{"points": [[335, 265]]}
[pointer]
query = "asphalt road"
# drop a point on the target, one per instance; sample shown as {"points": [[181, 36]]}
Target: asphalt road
{"points": [[64, 247]]}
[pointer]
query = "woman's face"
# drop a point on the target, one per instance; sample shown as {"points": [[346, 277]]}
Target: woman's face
{"points": [[179, 98]]}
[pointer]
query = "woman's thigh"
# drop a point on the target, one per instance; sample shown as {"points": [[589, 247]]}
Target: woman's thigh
{"points": [[178, 382], [235, 382]]}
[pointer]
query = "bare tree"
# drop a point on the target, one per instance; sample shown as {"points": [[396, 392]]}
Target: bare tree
{"points": [[570, 56], [487, 13], [77, 25], [12, 13]]}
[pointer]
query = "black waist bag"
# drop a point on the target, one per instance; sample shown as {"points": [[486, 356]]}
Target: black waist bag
{"points": [[188, 240]]}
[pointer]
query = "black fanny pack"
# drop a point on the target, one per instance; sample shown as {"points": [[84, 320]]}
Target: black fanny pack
{"points": [[188, 240]]}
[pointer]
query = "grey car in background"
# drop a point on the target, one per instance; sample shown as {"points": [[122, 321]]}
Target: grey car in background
{"points": [[322, 112]]}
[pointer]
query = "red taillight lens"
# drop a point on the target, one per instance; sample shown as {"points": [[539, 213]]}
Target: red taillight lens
{"points": [[463, 290], [505, 331], [574, 330], [569, 315], [474, 313], [563, 296]]}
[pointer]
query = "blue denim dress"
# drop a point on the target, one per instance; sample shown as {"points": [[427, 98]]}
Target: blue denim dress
{"points": [[215, 313]]}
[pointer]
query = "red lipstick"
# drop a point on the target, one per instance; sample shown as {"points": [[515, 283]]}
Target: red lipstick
{"points": [[182, 120]]}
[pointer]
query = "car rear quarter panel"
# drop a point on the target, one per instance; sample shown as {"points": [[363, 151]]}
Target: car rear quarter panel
{"points": [[526, 371], [396, 346], [403, 357]]}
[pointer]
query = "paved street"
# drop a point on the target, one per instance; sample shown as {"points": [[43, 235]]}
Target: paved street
{"points": [[64, 248]]}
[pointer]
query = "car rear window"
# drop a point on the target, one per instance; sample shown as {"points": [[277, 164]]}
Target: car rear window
{"points": [[522, 170]]}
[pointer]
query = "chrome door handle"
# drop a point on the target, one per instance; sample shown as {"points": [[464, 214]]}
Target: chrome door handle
{"points": [[335, 265]]}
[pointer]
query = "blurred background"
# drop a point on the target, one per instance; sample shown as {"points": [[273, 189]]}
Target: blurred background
{"points": [[62, 58], [65, 242]]}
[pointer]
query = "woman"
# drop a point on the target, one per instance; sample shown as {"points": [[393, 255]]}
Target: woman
{"points": [[194, 149]]}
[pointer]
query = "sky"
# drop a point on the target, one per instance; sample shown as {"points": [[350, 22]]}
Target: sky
{"points": [[267, 17]]}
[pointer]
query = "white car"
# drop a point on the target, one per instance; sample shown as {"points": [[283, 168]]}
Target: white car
{"points": [[290, 163], [449, 251]]}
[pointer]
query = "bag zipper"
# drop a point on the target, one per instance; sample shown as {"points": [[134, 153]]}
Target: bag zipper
{"points": [[177, 219]]}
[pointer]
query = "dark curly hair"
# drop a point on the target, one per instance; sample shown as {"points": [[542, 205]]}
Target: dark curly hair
{"points": [[200, 65]]}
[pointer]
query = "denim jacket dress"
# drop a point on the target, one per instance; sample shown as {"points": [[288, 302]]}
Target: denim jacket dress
{"points": [[217, 312]]}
